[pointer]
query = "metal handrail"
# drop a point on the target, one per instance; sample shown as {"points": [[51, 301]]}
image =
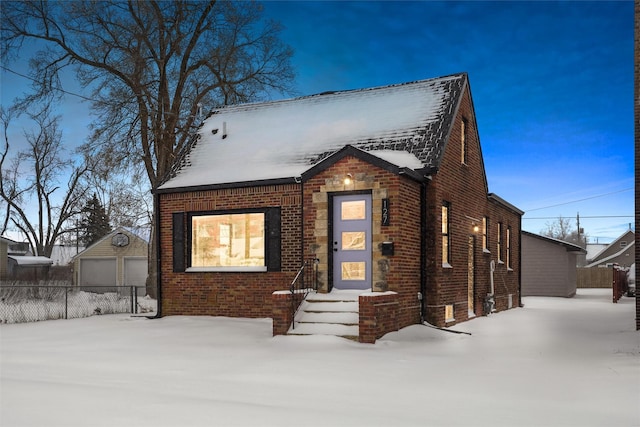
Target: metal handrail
{"points": [[305, 281]]}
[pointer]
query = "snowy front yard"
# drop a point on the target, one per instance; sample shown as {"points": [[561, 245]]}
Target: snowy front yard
{"points": [[554, 362]]}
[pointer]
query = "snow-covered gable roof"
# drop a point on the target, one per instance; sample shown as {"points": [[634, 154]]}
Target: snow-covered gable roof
{"points": [[118, 230], [31, 261], [283, 139], [595, 248], [570, 247], [628, 236], [629, 248]]}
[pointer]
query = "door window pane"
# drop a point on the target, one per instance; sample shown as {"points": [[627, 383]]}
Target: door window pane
{"points": [[353, 241], [353, 271], [351, 210]]}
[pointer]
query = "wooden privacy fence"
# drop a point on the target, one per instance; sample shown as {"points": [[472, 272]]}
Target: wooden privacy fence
{"points": [[610, 278], [594, 278], [620, 283]]}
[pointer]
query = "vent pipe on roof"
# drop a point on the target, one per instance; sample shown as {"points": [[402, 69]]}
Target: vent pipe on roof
{"points": [[199, 105], [224, 130]]}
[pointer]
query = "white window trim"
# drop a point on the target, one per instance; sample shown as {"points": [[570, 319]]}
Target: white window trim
{"points": [[243, 269]]}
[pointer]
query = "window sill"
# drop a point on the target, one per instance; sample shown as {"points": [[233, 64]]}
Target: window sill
{"points": [[486, 251], [509, 269], [244, 269], [446, 265], [500, 261]]}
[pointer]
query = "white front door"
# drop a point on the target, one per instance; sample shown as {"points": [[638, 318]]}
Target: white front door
{"points": [[352, 241]]}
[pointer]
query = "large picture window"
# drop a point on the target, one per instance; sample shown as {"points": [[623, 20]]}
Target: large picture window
{"points": [[228, 240], [247, 240]]}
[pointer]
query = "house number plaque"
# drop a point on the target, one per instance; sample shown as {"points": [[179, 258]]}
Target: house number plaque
{"points": [[385, 211]]}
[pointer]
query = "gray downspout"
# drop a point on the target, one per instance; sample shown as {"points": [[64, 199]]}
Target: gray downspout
{"points": [[156, 207], [301, 220], [520, 261], [423, 250]]}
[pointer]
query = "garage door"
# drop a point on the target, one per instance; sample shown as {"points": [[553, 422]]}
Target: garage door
{"points": [[98, 272], [135, 271]]}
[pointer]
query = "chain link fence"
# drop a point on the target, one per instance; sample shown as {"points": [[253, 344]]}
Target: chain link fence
{"points": [[20, 302]]}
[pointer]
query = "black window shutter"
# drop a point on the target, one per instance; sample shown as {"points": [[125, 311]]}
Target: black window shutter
{"points": [[178, 242], [273, 239]]}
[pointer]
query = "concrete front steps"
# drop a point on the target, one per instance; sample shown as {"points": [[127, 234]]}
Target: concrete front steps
{"points": [[335, 313]]}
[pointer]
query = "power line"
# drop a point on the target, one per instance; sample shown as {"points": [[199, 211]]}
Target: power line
{"points": [[581, 200], [54, 88], [581, 216]]}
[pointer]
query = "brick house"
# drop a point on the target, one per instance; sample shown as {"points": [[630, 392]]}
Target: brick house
{"points": [[384, 187]]}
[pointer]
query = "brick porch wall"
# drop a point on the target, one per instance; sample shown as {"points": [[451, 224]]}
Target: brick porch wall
{"points": [[378, 315], [281, 314]]}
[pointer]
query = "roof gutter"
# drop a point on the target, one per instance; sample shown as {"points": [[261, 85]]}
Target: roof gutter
{"points": [[242, 184], [497, 199]]}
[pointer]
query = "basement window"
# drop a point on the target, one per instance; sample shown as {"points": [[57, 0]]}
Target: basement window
{"points": [[448, 313]]}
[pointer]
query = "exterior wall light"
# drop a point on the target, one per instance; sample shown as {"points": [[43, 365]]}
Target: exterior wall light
{"points": [[348, 179]]}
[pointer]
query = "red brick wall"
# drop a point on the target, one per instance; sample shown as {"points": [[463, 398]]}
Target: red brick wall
{"points": [[226, 293], [401, 272], [378, 315], [282, 314], [464, 187]]}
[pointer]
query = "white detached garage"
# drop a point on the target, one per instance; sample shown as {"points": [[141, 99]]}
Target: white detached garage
{"points": [[118, 259]]}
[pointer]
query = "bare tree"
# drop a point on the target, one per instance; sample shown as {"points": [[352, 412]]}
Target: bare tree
{"points": [[562, 229], [31, 187], [127, 197], [151, 67]]}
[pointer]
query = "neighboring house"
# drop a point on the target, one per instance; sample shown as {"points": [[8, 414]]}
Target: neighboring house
{"points": [[19, 248], [592, 250], [385, 187], [62, 255], [620, 252], [28, 267], [548, 266], [4, 261], [118, 259]]}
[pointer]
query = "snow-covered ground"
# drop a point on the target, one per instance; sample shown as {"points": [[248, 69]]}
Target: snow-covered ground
{"points": [[555, 362]]}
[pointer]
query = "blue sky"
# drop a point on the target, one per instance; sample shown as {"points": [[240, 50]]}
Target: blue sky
{"points": [[552, 85]]}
